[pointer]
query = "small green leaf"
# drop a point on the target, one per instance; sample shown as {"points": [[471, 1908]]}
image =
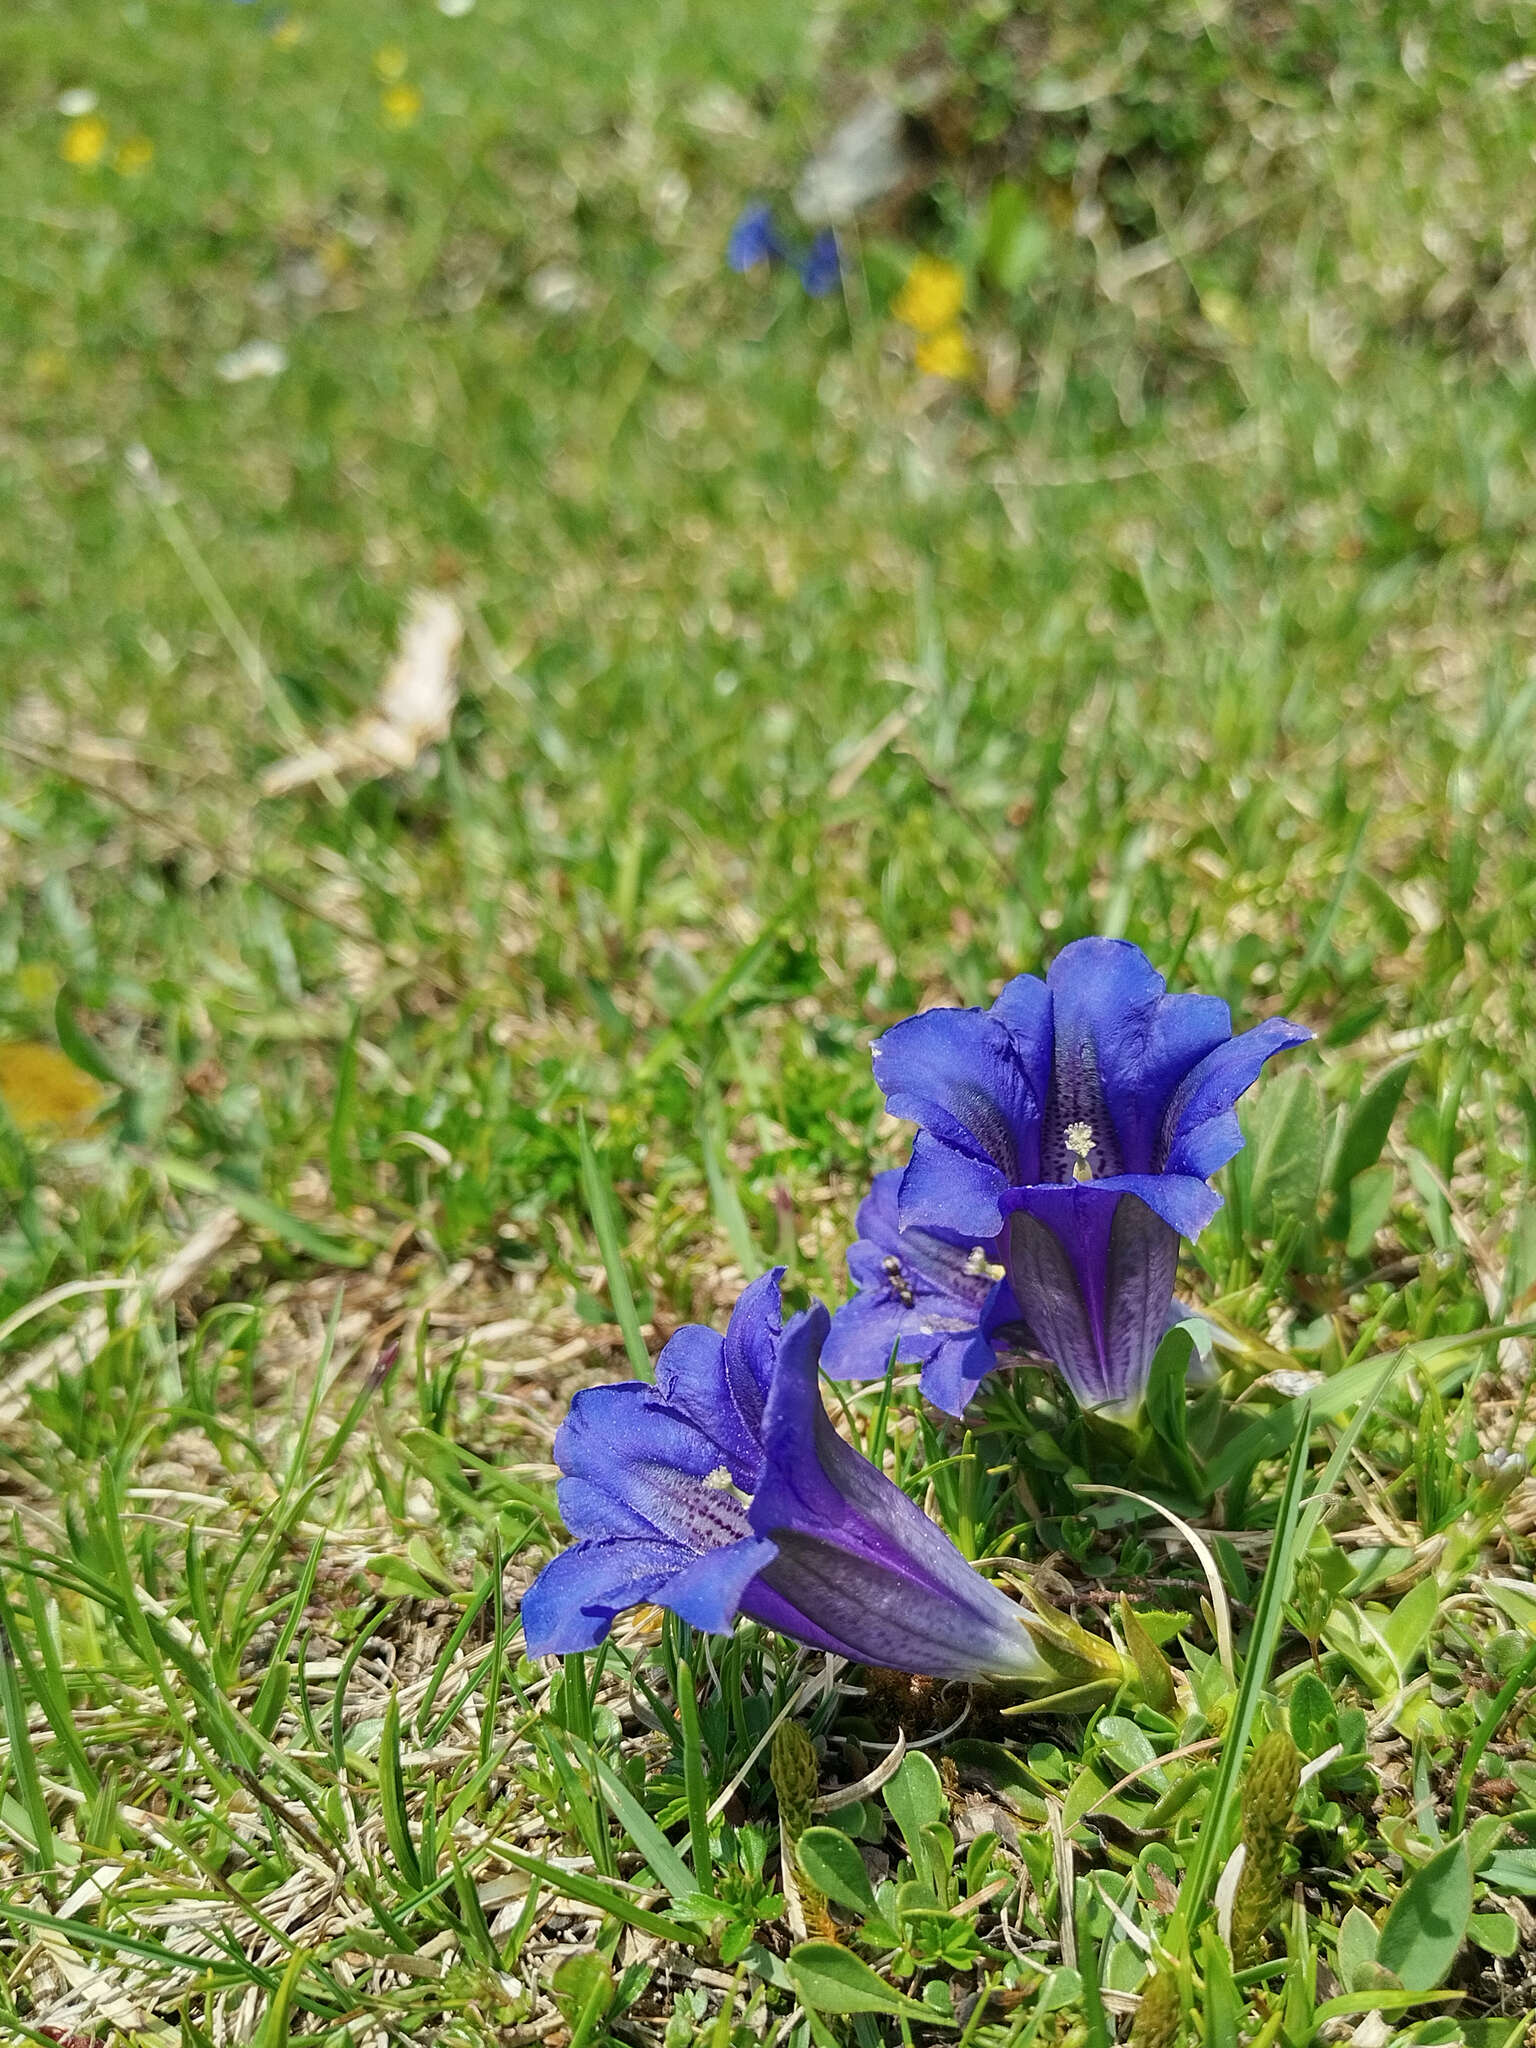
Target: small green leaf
{"points": [[1495, 1933], [832, 1979], [1085, 1791], [1129, 1748], [604, 1894], [1357, 1949], [1016, 241], [653, 1845], [1428, 1921], [1314, 1718], [581, 1982], [1154, 1670], [78, 1045], [1369, 1122], [1370, 1202], [1406, 1629], [1167, 1402], [1286, 1140], [939, 1853], [1062, 1987], [916, 1800], [1385, 1998], [833, 1865]]}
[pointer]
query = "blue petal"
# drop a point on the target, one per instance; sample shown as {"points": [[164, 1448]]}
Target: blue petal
{"points": [[1200, 1132], [866, 1330], [572, 1603], [920, 1297], [752, 1346], [956, 1369], [690, 1377], [878, 1576], [589, 1510], [821, 272], [948, 1190], [709, 1593], [1093, 1269], [754, 239], [721, 1383], [864, 1334], [1184, 1203], [878, 1220], [652, 1462], [959, 1075], [938, 1262], [1122, 1046], [1024, 1010]]}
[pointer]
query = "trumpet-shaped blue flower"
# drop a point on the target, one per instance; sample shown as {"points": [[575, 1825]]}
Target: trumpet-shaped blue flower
{"points": [[934, 1298], [725, 1490], [1070, 1131]]}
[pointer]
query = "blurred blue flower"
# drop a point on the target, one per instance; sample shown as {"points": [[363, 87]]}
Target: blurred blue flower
{"points": [[755, 242], [754, 239], [820, 269], [724, 1490], [1070, 1131]]}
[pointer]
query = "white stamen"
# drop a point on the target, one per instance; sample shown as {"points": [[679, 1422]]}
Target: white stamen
{"points": [[720, 1481], [1078, 1138]]}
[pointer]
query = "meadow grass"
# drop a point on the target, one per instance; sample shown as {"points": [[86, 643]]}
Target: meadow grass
{"points": [[798, 692]]}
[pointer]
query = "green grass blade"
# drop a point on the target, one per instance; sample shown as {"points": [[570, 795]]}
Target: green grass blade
{"points": [[397, 1827], [626, 1809], [598, 1191], [694, 1783], [1220, 1820], [594, 1891], [24, 1769], [723, 1194]]}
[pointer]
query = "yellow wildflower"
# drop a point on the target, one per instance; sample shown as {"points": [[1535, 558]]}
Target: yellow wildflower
{"points": [[390, 63], [932, 296], [133, 156], [287, 32], [946, 354], [36, 983], [400, 105], [85, 142], [46, 366], [42, 1090]]}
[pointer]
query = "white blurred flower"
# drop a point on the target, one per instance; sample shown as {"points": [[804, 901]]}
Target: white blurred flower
{"points": [[252, 359], [556, 288]]}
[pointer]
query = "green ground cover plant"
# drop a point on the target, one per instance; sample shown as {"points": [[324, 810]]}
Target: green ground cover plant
{"points": [[355, 1119]]}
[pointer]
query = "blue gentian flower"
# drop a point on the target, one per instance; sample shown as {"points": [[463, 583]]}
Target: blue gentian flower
{"points": [[820, 269], [724, 1490], [755, 240], [935, 1298], [1072, 1128]]}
